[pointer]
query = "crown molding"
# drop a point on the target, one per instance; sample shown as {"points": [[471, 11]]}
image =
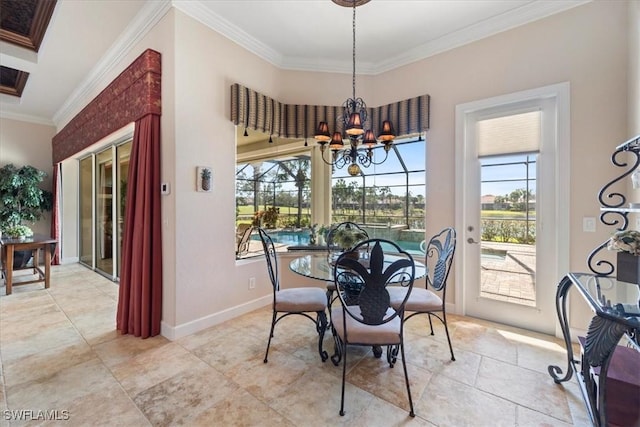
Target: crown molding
{"points": [[26, 118], [530, 12], [198, 11], [523, 15], [150, 14]]}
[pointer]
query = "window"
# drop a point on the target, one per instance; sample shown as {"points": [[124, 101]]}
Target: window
{"points": [[392, 193]]}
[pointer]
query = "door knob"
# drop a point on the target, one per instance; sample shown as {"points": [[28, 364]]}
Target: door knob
{"points": [[470, 240]]}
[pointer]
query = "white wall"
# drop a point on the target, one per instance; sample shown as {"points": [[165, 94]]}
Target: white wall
{"points": [[634, 69], [23, 143]]}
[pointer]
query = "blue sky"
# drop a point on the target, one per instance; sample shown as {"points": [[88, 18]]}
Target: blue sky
{"points": [[508, 171]]}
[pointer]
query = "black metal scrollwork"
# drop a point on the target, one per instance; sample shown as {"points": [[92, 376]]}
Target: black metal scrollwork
{"points": [[613, 203]]}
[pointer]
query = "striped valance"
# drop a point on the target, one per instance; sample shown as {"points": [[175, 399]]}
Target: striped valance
{"points": [[253, 110]]}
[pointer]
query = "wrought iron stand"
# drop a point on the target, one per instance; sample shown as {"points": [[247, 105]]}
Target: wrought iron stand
{"points": [[614, 318], [615, 303]]}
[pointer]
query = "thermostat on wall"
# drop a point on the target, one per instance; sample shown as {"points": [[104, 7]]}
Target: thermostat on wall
{"points": [[165, 188]]}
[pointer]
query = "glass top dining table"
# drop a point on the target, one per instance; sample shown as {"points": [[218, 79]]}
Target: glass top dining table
{"points": [[320, 265]]}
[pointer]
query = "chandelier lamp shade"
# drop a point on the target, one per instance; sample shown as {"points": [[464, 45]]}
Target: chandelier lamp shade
{"points": [[360, 141]]}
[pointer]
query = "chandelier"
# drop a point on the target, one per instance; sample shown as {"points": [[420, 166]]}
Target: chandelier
{"points": [[353, 120]]}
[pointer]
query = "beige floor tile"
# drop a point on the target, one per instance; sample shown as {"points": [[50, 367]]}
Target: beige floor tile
{"points": [[446, 402], [382, 413], [376, 377], [57, 335], [314, 400], [185, 396], [434, 356], [126, 347], [527, 388], [97, 326], [153, 366], [61, 389], [46, 363], [225, 352], [240, 409], [107, 406], [484, 340], [268, 381], [24, 325], [526, 417], [214, 333]]}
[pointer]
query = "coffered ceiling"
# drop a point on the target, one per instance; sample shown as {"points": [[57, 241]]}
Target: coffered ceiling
{"points": [[85, 38]]}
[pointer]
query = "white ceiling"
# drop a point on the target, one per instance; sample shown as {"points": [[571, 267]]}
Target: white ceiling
{"points": [[86, 38]]}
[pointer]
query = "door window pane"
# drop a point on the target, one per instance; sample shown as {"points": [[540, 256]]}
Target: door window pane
{"points": [[86, 211], [104, 212]]}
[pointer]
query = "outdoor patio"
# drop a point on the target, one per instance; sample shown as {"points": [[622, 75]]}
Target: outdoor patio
{"points": [[508, 272]]}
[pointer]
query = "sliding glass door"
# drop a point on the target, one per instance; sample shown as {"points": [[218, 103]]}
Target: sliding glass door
{"points": [[102, 206]]}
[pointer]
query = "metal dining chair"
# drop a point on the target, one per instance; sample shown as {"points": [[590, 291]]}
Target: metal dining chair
{"points": [[286, 302], [243, 240], [365, 316], [438, 258]]}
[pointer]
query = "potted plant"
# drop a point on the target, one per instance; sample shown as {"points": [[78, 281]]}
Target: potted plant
{"points": [[270, 217], [348, 237], [627, 244], [22, 201], [313, 234], [322, 234], [19, 232]]}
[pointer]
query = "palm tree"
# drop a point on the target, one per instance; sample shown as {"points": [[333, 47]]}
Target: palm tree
{"points": [[297, 169]]}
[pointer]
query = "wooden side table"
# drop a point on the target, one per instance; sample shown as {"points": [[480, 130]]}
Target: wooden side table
{"points": [[8, 246]]}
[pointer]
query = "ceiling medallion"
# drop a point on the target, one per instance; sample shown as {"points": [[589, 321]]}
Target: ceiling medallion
{"points": [[349, 3]]}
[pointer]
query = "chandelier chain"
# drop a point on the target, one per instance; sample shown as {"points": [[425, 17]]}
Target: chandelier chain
{"points": [[353, 23]]}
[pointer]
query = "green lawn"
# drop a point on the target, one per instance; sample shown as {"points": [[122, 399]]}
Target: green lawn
{"points": [[506, 214]]}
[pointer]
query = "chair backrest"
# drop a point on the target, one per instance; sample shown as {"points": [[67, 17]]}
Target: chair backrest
{"points": [[439, 257], [331, 244], [362, 283], [272, 259], [243, 237]]}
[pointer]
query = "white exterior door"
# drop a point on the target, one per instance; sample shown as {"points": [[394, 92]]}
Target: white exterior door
{"points": [[512, 245]]}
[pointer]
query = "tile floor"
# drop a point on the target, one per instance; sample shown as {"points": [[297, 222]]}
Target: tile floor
{"points": [[60, 352]]}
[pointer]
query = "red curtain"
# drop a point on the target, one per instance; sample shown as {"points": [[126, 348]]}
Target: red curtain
{"points": [[55, 213], [140, 299]]}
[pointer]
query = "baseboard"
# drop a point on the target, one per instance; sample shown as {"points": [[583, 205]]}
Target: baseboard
{"points": [[173, 333], [72, 260], [450, 307]]}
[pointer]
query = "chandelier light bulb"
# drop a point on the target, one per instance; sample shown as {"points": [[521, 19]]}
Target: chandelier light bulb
{"points": [[322, 133], [369, 139], [336, 141], [354, 127]]}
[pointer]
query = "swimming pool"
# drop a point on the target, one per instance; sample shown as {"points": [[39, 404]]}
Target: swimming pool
{"points": [[289, 238], [301, 238]]}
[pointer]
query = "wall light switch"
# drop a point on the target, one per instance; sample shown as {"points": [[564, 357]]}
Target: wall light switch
{"points": [[589, 224]]}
